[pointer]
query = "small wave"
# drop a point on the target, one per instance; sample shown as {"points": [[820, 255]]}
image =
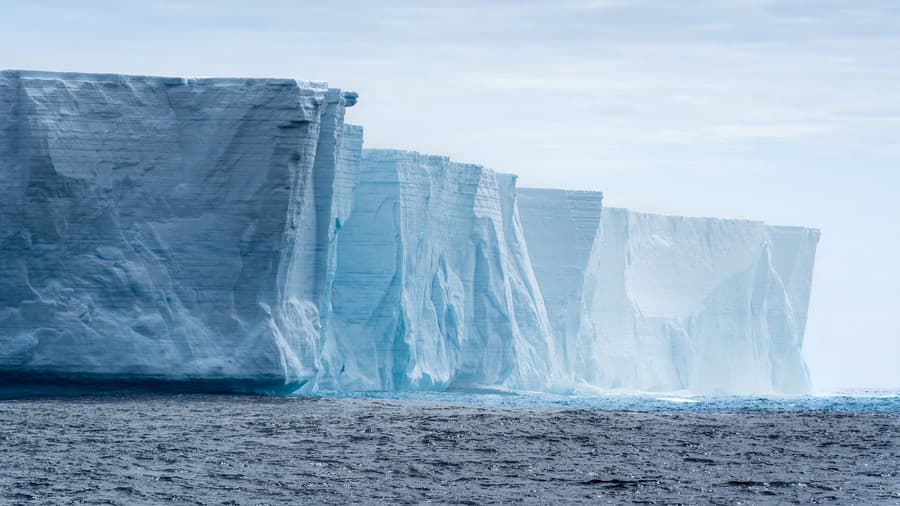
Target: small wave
{"points": [[680, 400]]}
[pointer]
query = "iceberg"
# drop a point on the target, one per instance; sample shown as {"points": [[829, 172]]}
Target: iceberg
{"points": [[706, 305], [560, 228], [234, 234], [348, 159], [671, 303], [164, 228], [433, 286]]}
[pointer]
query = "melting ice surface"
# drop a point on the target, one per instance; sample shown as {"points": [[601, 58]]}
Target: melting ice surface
{"points": [[233, 234]]}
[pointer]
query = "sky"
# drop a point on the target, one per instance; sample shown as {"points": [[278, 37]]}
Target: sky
{"points": [[786, 112]]}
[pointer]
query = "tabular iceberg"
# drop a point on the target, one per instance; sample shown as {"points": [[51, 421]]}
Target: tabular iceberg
{"points": [[162, 228], [560, 228], [705, 305], [433, 286], [234, 234], [672, 303]]}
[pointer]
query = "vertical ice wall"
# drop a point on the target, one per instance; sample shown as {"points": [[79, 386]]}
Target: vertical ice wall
{"points": [[343, 188], [560, 227], [706, 305], [647, 302], [333, 179], [234, 230], [433, 286], [162, 228]]}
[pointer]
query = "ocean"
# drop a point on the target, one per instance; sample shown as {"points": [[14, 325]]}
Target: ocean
{"points": [[449, 448]]}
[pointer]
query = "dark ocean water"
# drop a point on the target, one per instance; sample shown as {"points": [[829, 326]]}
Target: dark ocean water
{"points": [[202, 449]]}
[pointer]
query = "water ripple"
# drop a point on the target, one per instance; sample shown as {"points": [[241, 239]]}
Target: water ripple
{"points": [[269, 450]]}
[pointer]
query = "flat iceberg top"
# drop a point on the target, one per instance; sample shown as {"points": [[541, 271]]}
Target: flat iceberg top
{"points": [[418, 159], [560, 193], [706, 220], [165, 80]]}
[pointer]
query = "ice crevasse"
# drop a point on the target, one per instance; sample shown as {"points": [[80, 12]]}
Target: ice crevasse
{"points": [[233, 234]]}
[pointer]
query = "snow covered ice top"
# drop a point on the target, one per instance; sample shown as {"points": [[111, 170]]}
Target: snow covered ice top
{"points": [[234, 230]]}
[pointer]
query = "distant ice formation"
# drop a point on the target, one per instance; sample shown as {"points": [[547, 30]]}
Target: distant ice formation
{"points": [[234, 233], [706, 305]]}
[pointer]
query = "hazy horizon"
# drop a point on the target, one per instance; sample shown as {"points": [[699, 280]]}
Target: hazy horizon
{"points": [[751, 109]]}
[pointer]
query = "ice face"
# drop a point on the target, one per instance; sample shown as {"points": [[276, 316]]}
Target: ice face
{"points": [[345, 182], [661, 303], [433, 287], [234, 230], [705, 305], [560, 228], [163, 228]]}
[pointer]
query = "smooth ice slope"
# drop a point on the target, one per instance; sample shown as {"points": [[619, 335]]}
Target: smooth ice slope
{"points": [[560, 227], [434, 288], [707, 305], [163, 228]]}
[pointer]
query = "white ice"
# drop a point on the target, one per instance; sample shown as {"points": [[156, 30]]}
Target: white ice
{"points": [[236, 230]]}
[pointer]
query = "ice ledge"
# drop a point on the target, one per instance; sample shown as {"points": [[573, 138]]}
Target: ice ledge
{"points": [[710, 219], [375, 155], [223, 81]]}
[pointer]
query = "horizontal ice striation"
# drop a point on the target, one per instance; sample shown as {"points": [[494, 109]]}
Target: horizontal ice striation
{"points": [[560, 227], [433, 287], [164, 228], [706, 305], [234, 233]]}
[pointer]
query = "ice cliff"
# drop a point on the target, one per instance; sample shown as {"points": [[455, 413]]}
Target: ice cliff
{"points": [[234, 234], [560, 228], [671, 303], [705, 305], [162, 228], [433, 287]]}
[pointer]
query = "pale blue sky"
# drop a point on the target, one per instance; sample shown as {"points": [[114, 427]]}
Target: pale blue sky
{"points": [[787, 112]]}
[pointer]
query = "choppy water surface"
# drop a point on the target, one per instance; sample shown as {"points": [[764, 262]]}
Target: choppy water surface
{"points": [[447, 448]]}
